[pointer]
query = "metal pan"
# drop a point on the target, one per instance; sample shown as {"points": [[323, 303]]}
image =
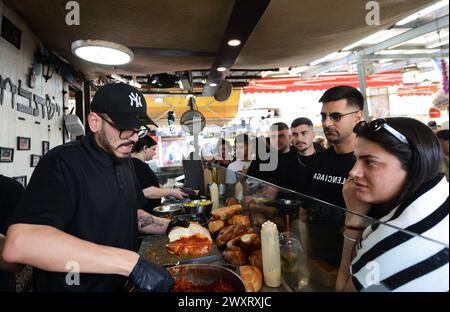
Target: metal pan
{"points": [[168, 210], [203, 277]]}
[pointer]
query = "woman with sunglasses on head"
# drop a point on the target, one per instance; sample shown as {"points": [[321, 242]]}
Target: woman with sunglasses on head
{"points": [[397, 170]]}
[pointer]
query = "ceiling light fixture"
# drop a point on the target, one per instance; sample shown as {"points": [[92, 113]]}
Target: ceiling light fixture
{"points": [[213, 84], [102, 52], [221, 69], [234, 42]]}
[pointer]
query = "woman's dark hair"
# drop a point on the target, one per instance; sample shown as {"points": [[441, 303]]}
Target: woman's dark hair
{"points": [[147, 141], [421, 158]]}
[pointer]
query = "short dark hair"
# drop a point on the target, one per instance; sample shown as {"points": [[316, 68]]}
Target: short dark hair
{"points": [[278, 126], [421, 158], [432, 124], [147, 141], [301, 121], [442, 134], [353, 96]]}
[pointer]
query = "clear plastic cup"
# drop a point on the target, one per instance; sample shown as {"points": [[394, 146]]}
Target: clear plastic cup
{"points": [[293, 261]]}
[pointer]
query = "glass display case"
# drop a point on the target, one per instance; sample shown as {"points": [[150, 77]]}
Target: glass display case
{"points": [[312, 243]]}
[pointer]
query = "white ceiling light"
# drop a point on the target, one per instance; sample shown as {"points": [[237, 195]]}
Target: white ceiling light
{"points": [[221, 69], [234, 42], [213, 84], [102, 52], [423, 12]]}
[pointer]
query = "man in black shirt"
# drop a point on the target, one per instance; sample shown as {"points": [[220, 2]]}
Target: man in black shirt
{"points": [[79, 211], [280, 138], [293, 171], [342, 109], [10, 193]]}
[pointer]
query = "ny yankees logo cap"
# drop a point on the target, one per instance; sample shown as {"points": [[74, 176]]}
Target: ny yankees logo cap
{"points": [[124, 104]]}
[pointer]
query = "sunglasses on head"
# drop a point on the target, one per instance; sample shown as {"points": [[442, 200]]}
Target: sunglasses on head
{"points": [[378, 124], [335, 116]]}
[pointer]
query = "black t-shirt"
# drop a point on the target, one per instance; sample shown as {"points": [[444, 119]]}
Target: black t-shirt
{"points": [[292, 173], [10, 193], [328, 172], [146, 178], [78, 188], [258, 171]]}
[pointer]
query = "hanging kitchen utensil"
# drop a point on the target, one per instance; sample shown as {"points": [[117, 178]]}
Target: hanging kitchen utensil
{"points": [[192, 121]]}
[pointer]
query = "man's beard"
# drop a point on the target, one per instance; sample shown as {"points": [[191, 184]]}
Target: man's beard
{"points": [[107, 147]]}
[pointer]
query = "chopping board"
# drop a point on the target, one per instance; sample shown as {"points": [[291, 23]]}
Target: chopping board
{"points": [[153, 248]]}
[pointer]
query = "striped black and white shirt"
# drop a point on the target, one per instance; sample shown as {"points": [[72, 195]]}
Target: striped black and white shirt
{"points": [[393, 260]]}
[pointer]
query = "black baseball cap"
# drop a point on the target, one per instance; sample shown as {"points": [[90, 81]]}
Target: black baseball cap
{"points": [[124, 104]]}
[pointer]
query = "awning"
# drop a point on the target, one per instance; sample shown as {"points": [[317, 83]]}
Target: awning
{"points": [[321, 82], [214, 111]]}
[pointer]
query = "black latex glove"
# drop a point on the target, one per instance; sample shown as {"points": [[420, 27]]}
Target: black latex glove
{"points": [[176, 222], [147, 276]]}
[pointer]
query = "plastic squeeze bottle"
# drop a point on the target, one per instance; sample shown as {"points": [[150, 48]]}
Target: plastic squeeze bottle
{"points": [[271, 254], [239, 191], [214, 190]]}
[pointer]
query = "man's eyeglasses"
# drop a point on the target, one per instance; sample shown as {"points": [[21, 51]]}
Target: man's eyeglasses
{"points": [[125, 134], [335, 116], [376, 125]]}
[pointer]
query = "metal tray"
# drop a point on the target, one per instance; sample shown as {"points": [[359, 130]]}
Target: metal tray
{"points": [[153, 248]]}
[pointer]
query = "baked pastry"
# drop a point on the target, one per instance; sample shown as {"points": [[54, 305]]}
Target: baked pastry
{"points": [[194, 241], [215, 225], [250, 242], [255, 259], [231, 201], [252, 278], [226, 212], [235, 256], [231, 231], [239, 219]]}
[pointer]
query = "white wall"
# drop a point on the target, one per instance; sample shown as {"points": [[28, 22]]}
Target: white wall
{"points": [[15, 64]]}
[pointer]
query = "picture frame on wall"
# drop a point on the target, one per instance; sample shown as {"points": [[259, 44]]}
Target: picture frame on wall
{"points": [[34, 160], [45, 147], [22, 180], [23, 144], [6, 154]]}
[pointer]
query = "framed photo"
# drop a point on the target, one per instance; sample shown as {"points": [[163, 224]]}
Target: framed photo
{"points": [[45, 147], [22, 180], [23, 144], [35, 160], [6, 154]]}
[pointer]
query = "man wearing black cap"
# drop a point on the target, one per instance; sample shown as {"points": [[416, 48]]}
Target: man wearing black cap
{"points": [[78, 214]]}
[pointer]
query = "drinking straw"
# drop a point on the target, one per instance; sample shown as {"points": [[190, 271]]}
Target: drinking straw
{"points": [[287, 227]]}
